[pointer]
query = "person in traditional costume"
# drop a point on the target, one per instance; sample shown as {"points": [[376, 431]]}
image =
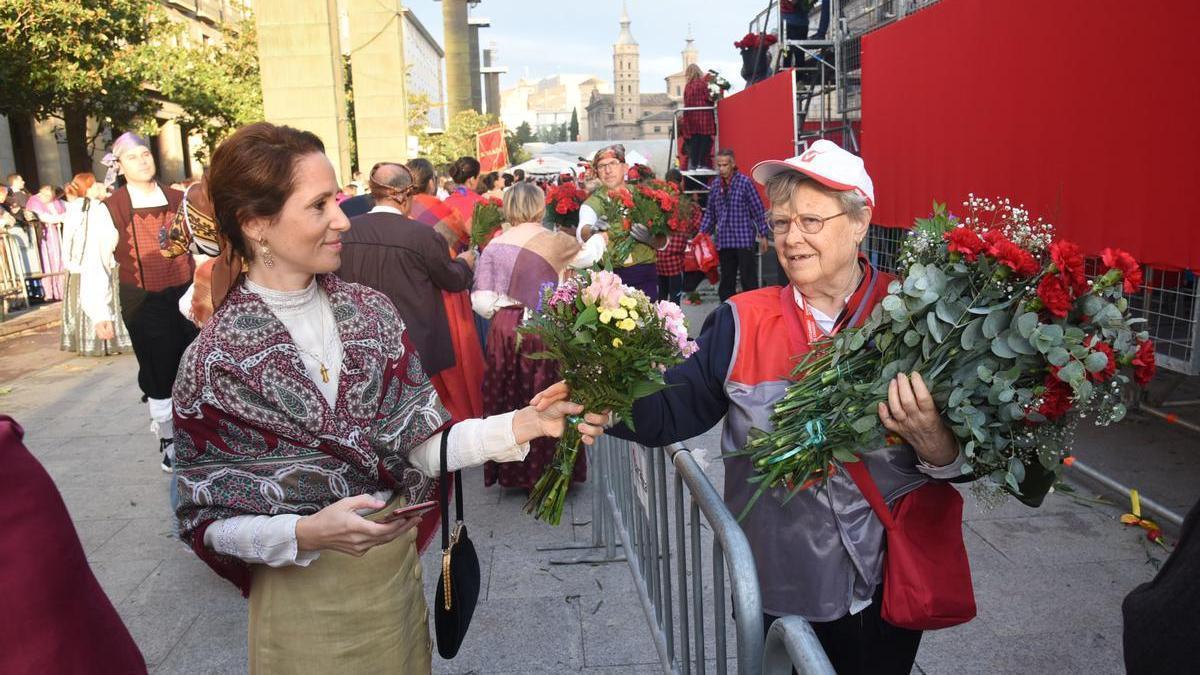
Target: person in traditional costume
{"points": [[150, 283], [819, 553], [638, 270], [513, 271], [460, 385], [465, 174], [85, 216], [304, 418], [50, 211]]}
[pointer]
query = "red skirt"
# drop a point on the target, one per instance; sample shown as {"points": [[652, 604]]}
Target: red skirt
{"points": [[509, 382]]}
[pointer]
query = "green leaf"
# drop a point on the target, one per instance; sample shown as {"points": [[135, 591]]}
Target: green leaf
{"points": [[1071, 373], [949, 311], [935, 328], [1058, 357], [585, 317], [971, 335], [1000, 348], [912, 338], [645, 388], [1019, 344], [956, 397], [993, 324], [1026, 323], [1016, 469], [1096, 362], [892, 303], [539, 356], [865, 423], [984, 374]]}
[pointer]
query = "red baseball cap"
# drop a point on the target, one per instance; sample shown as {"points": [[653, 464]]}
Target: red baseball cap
{"points": [[825, 162]]}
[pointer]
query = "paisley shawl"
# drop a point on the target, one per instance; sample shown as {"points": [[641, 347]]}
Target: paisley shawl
{"points": [[254, 435]]}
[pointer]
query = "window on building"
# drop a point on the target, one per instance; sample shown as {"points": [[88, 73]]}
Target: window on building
{"points": [[657, 129]]}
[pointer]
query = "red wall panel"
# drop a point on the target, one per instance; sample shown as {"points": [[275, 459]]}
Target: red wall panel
{"points": [[1086, 111]]}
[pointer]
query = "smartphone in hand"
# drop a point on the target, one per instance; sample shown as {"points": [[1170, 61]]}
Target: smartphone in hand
{"points": [[412, 511]]}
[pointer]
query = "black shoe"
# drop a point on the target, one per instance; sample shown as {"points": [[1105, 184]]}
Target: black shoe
{"points": [[165, 444]]}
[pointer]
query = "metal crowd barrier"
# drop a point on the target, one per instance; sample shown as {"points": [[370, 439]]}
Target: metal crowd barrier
{"points": [[662, 525], [792, 646]]}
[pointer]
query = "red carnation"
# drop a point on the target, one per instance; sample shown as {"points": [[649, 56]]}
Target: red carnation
{"points": [[1144, 364], [1131, 272], [1014, 257], [1056, 400], [1098, 346], [965, 241], [562, 208], [1054, 296], [1068, 258]]}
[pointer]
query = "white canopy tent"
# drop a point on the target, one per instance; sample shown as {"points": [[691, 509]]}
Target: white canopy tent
{"points": [[546, 165]]}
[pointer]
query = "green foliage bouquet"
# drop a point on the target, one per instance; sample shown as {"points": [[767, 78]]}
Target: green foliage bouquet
{"points": [[612, 345], [650, 202], [1017, 344], [486, 221]]}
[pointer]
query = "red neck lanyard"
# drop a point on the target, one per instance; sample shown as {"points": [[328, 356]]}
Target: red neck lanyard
{"points": [[861, 292]]}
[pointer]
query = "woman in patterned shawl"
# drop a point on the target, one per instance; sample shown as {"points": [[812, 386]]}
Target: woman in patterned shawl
{"points": [[303, 419]]}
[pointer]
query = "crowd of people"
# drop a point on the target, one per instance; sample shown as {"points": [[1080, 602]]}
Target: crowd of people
{"points": [[312, 364]]}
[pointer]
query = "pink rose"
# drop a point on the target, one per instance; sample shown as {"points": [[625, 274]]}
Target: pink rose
{"points": [[605, 291]]}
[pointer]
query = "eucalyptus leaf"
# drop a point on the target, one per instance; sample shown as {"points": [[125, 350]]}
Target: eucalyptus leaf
{"points": [[1016, 469], [1026, 323], [1058, 357], [1000, 348], [1071, 373], [912, 338], [993, 324], [935, 328], [956, 397], [1020, 345], [892, 303], [1096, 362], [971, 335]]}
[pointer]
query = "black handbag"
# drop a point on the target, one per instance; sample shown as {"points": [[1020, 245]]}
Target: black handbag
{"points": [[458, 587]]}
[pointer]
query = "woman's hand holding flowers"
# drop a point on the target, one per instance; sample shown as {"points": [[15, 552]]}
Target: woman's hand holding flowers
{"points": [[911, 413]]}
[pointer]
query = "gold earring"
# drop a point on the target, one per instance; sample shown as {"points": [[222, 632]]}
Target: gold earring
{"points": [[265, 249]]}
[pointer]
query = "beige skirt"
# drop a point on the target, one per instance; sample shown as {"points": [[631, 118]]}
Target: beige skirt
{"points": [[342, 614]]}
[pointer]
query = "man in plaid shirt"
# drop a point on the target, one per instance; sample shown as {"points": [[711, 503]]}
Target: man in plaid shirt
{"points": [[736, 213]]}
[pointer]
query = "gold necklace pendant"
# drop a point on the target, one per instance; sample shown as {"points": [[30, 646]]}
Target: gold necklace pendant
{"points": [[324, 373]]}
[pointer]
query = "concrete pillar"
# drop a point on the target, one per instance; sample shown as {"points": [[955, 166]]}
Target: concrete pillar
{"points": [[300, 58], [473, 45], [380, 92], [458, 57], [491, 81]]}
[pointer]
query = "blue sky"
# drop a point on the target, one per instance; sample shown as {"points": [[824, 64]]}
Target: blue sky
{"points": [[543, 38]]}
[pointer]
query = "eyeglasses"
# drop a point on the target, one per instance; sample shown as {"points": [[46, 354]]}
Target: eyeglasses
{"points": [[602, 166], [809, 224]]}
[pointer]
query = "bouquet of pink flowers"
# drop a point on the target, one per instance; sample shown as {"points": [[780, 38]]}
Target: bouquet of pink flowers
{"points": [[1016, 343], [612, 345]]}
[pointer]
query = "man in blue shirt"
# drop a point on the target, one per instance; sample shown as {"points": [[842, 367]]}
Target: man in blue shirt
{"points": [[736, 213]]}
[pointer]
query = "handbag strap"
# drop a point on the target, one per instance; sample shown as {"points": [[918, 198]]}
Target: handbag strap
{"points": [[866, 485], [444, 486]]}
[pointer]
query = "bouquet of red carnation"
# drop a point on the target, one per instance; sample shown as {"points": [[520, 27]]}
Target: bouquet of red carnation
{"points": [[486, 221], [563, 202], [638, 173], [1015, 343], [650, 203], [756, 41]]}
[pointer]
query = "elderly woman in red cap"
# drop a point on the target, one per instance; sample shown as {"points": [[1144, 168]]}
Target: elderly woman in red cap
{"points": [[819, 555]]}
